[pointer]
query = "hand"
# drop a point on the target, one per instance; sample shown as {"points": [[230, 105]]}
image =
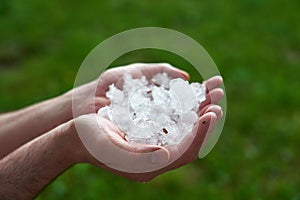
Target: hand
{"points": [[107, 148], [90, 97], [143, 162]]}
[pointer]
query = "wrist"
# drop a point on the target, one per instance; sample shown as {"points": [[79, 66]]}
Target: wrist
{"points": [[63, 106], [75, 151]]}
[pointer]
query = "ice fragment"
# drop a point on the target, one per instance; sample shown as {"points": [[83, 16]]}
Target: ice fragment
{"points": [[158, 112]]}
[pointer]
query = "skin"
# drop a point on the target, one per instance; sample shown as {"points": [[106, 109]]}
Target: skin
{"points": [[27, 170], [34, 153]]}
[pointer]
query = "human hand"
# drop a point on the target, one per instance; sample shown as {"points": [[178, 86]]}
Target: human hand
{"points": [[143, 162], [89, 98], [106, 148]]}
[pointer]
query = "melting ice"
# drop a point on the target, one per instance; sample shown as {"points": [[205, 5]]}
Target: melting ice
{"points": [[160, 111]]}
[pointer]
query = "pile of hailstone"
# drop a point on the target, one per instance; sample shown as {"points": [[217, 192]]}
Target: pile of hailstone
{"points": [[160, 111]]}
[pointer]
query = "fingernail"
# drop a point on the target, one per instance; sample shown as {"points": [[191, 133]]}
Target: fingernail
{"points": [[220, 77], [160, 157], [185, 75]]}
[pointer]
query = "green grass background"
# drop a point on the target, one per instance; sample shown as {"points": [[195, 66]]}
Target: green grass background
{"points": [[256, 45]]}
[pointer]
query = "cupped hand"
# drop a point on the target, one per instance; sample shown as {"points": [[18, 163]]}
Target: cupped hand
{"points": [[108, 149], [90, 97]]}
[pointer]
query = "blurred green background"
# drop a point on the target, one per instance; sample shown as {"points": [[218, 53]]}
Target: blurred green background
{"points": [[256, 45]]}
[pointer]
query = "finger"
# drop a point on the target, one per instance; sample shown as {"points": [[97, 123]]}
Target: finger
{"points": [[134, 158], [213, 83], [191, 144], [115, 76], [210, 130], [211, 108], [204, 124], [151, 69], [101, 102], [137, 70], [107, 78], [189, 147], [213, 97], [148, 70], [119, 140]]}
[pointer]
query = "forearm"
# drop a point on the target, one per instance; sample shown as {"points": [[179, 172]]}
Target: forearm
{"points": [[31, 167], [19, 127]]}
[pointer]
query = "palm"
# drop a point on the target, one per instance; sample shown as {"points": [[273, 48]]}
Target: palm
{"points": [[188, 149]]}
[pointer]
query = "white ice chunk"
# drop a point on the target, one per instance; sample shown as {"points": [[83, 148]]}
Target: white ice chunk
{"points": [[189, 117], [161, 79], [158, 112], [105, 112], [199, 91], [114, 94], [137, 100], [140, 131], [184, 93]]}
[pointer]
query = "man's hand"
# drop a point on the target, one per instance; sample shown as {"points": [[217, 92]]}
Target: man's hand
{"points": [[89, 98], [108, 149]]}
